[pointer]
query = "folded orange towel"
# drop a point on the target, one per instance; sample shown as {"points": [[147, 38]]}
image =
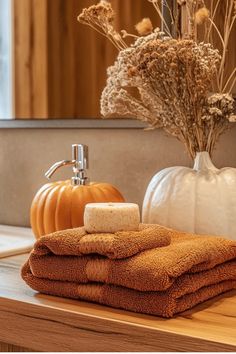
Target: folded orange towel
{"points": [[122, 244], [161, 281], [151, 270], [188, 291]]}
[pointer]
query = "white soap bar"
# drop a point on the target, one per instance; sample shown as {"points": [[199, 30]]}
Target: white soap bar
{"points": [[111, 217]]}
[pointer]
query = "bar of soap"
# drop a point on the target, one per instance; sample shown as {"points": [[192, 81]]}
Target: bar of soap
{"points": [[111, 217]]}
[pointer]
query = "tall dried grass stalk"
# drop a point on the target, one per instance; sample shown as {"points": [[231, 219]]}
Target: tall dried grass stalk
{"points": [[225, 82], [178, 84]]}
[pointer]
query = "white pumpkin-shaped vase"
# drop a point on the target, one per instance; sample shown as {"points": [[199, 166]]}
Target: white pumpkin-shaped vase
{"points": [[200, 200]]}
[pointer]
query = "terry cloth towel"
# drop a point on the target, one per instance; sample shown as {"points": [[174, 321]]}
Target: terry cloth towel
{"points": [[122, 244], [188, 291], [160, 281]]}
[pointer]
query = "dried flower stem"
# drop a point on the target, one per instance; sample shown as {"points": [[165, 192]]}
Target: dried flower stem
{"points": [[233, 82], [227, 30], [229, 22], [228, 81], [156, 5], [170, 83], [217, 31], [213, 14], [100, 17]]}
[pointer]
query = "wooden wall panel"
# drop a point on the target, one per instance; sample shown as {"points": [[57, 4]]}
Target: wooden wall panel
{"points": [[4, 347], [73, 61], [30, 58], [60, 64], [79, 56]]}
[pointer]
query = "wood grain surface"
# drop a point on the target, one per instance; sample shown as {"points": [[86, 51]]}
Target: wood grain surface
{"points": [[79, 57], [60, 64], [30, 53], [4, 347], [46, 323]]}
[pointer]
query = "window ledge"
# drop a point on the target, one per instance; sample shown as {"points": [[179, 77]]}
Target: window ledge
{"points": [[119, 123]]}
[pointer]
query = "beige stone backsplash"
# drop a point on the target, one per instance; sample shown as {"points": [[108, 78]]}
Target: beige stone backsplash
{"points": [[126, 158]]}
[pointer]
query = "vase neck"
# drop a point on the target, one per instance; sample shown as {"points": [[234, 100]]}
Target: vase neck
{"points": [[203, 162]]}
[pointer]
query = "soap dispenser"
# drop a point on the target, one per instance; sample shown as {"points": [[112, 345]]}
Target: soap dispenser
{"points": [[60, 205]]}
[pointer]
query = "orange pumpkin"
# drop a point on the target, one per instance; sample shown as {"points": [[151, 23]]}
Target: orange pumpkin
{"points": [[60, 205]]}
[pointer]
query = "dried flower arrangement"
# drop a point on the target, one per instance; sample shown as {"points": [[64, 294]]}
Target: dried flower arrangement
{"points": [[179, 84]]}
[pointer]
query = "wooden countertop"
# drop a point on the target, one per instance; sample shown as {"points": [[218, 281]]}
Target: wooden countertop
{"points": [[46, 323]]}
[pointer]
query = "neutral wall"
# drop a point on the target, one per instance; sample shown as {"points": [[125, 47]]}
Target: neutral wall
{"points": [[125, 158]]}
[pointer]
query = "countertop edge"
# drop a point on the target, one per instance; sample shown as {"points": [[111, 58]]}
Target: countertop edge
{"points": [[32, 320]]}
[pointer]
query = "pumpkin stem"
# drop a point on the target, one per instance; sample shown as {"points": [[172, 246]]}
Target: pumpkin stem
{"points": [[203, 162]]}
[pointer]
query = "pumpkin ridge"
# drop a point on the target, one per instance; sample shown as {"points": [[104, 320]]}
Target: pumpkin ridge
{"points": [[40, 209], [49, 210], [102, 193], [77, 205], [62, 214], [146, 209], [113, 191], [70, 203], [34, 209]]}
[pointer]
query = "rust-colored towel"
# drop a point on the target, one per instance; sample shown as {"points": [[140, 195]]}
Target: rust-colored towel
{"points": [[188, 291], [162, 281], [122, 244], [151, 270]]}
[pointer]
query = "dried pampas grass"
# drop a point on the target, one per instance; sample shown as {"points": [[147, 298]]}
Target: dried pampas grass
{"points": [[178, 84]]}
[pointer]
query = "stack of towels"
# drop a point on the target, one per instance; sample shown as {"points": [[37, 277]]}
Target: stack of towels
{"points": [[154, 270]]}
